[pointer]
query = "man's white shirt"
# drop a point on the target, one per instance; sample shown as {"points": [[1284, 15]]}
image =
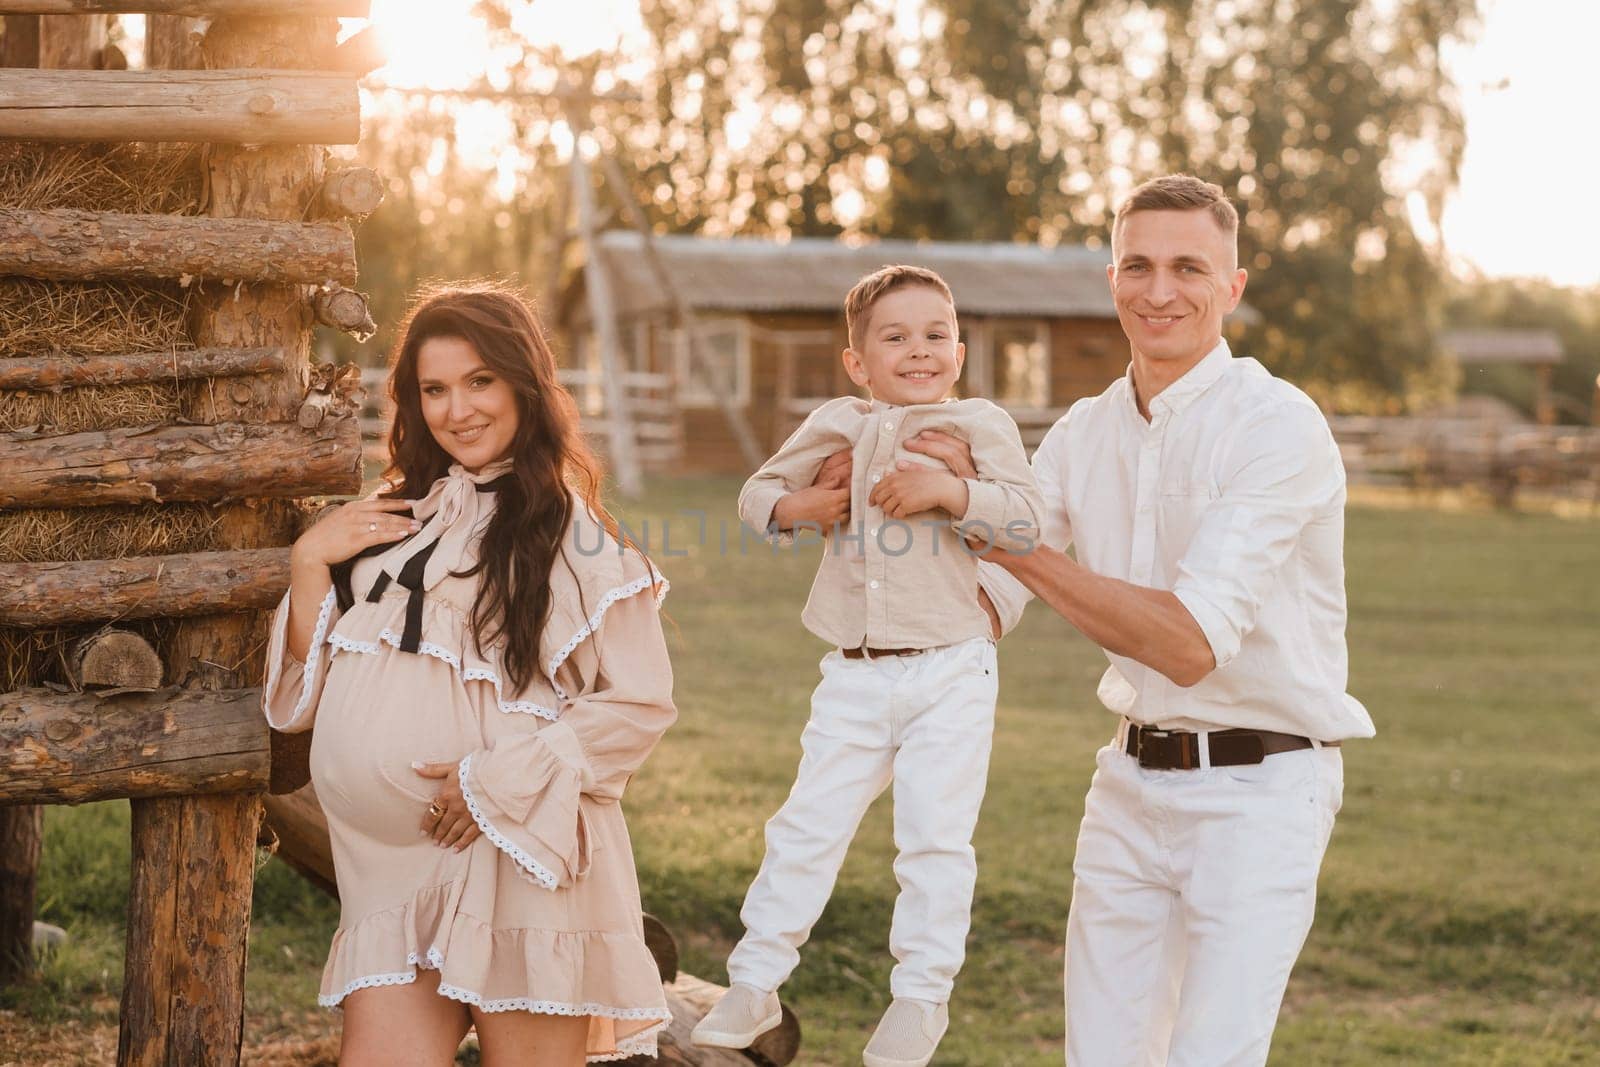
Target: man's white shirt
{"points": [[1232, 497]]}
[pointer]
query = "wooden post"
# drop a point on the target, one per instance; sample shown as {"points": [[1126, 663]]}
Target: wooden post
{"points": [[303, 8], [21, 834], [1544, 407], [69, 748], [171, 42], [154, 464], [224, 106], [622, 444], [71, 41], [193, 857], [85, 245], [19, 45], [688, 321], [36, 595]]}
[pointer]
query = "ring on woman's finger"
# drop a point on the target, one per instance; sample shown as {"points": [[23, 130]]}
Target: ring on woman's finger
{"points": [[435, 810], [372, 527]]}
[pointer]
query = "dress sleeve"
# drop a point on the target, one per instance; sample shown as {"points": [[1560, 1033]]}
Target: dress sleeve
{"points": [[292, 688], [524, 792]]}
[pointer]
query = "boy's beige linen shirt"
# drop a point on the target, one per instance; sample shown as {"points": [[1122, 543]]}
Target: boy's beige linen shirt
{"points": [[906, 583]]}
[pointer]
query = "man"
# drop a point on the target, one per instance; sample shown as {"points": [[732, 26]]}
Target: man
{"points": [[1205, 499]]}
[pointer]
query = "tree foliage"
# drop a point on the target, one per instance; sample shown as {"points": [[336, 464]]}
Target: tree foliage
{"points": [[1574, 315], [1329, 121]]}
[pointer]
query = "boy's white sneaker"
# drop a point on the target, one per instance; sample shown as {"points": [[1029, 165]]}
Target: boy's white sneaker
{"points": [[907, 1034], [743, 1014]]}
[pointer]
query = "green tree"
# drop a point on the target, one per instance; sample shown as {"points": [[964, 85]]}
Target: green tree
{"points": [[1574, 315], [1027, 119]]}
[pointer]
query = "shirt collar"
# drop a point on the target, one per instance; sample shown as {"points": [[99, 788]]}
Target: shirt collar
{"points": [[1181, 393]]}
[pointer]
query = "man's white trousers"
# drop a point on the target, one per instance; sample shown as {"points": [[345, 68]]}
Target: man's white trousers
{"points": [[925, 722], [1193, 893]]}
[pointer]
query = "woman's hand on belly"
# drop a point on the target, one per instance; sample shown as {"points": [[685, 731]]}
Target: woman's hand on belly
{"points": [[453, 826]]}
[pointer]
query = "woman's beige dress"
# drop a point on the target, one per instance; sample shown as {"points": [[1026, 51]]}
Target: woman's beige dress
{"points": [[542, 912]]}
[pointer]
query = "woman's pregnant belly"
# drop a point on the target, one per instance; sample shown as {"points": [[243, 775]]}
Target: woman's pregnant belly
{"points": [[378, 715]]}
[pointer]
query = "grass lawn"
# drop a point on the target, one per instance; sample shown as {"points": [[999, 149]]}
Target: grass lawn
{"points": [[1458, 921]]}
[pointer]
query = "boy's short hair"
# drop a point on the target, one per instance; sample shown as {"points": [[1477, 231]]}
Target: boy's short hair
{"points": [[1179, 192], [879, 284]]}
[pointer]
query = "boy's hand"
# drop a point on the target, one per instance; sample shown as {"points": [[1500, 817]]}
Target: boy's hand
{"points": [[952, 451], [813, 506], [911, 492]]}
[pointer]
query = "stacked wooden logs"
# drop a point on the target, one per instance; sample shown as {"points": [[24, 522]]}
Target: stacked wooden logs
{"points": [[254, 430]]}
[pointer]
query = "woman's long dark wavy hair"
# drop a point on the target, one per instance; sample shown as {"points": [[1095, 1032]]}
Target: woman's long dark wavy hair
{"points": [[548, 457]]}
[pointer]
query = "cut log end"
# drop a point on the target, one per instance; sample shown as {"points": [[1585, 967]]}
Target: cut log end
{"points": [[115, 661], [344, 309], [353, 192]]}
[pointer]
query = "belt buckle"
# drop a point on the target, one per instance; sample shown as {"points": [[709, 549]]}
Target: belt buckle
{"points": [[1188, 754], [1140, 733]]}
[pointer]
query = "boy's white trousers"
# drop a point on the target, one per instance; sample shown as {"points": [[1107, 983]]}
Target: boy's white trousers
{"points": [[1192, 895], [926, 723]]}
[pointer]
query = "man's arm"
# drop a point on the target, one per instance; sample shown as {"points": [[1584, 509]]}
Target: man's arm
{"points": [[1282, 471], [1148, 625]]}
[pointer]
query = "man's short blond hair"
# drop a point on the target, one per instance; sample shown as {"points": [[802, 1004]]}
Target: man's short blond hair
{"points": [[1180, 192], [879, 284]]}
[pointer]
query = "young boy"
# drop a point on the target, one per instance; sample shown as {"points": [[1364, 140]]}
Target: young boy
{"points": [[909, 693]]}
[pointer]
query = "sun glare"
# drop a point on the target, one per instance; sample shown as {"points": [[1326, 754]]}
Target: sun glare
{"points": [[441, 44]]}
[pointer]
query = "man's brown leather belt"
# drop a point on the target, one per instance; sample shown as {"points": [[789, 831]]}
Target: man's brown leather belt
{"points": [[1179, 750], [863, 652]]}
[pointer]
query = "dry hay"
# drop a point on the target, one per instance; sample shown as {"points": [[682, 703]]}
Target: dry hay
{"points": [[62, 534], [42, 318], [39, 657], [36, 657], [99, 407], [142, 179]]}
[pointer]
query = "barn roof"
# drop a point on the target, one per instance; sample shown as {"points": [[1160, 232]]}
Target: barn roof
{"points": [[815, 273], [1504, 346]]}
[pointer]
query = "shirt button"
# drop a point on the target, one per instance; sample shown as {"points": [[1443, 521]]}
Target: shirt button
{"points": [[872, 585], [889, 425], [877, 477]]}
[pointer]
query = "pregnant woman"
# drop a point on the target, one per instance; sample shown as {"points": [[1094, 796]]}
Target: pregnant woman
{"points": [[481, 689]]}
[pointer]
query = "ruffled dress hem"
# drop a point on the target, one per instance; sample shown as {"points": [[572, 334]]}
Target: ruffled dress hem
{"points": [[499, 970]]}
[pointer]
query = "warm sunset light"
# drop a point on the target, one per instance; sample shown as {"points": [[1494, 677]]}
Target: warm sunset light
{"points": [[443, 45]]}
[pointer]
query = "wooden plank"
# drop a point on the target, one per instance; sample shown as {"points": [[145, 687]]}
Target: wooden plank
{"points": [[142, 587], [69, 748], [55, 373], [224, 106], [21, 835], [85, 245], [180, 463], [304, 8], [188, 914]]}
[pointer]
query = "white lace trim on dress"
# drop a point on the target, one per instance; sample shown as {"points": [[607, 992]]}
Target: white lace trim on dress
{"points": [[621, 592], [641, 1044], [470, 674], [528, 867], [314, 655]]}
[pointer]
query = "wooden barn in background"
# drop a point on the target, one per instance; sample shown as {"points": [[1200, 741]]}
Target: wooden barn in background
{"points": [[1038, 323]]}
